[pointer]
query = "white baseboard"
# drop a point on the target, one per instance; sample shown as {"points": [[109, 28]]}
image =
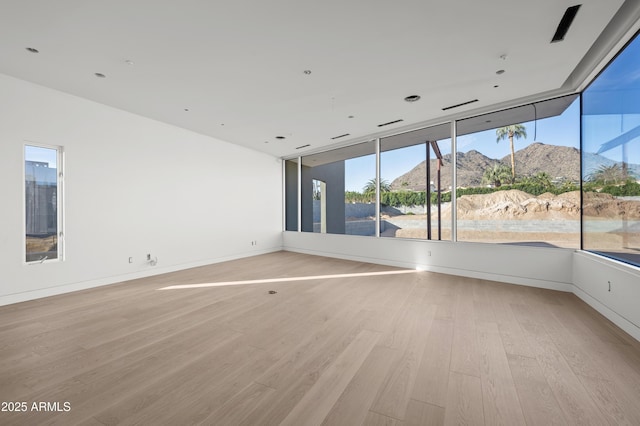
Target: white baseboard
{"points": [[84, 285], [508, 279], [612, 316]]}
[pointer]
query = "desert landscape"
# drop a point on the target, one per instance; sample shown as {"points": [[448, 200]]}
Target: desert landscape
{"points": [[514, 216], [541, 207]]}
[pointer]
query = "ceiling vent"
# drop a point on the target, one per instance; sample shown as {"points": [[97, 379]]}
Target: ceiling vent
{"points": [[303, 146], [459, 105], [565, 23], [341, 136], [389, 123]]}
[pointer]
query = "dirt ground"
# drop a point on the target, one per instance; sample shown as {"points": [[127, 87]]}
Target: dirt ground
{"points": [[36, 244], [517, 205], [541, 239]]}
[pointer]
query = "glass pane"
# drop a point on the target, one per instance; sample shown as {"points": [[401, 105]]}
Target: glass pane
{"points": [[403, 169], [338, 191], [518, 175], [319, 206], [41, 203], [611, 159], [291, 195]]}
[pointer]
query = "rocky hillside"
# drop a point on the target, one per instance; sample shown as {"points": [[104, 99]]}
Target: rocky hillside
{"points": [[468, 165], [560, 162]]}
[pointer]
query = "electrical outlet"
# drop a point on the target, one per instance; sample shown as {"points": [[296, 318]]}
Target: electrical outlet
{"points": [[131, 260], [148, 257], [429, 253]]}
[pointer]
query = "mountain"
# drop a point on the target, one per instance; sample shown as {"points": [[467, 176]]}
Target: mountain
{"points": [[469, 163], [560, 162]]}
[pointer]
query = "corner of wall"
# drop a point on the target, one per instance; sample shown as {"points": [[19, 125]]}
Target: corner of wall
{"points": [[610, 287]]}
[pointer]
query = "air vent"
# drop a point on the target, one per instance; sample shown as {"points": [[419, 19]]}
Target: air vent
{"points": [[341, 136], [389, 123], [565, 23], [303, 146], [459, 105]]}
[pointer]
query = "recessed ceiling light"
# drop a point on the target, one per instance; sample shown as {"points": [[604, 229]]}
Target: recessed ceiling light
{"points": [[129, 62], [495, 86], [307, 72], [32, 50], [412, 98], [280, 137], [266, 141], [186, 109], [100, 75], [500, 72], [351, 116]]}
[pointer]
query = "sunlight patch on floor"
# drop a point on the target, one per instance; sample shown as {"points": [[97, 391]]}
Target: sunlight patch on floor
{"points": [[287, 279]]}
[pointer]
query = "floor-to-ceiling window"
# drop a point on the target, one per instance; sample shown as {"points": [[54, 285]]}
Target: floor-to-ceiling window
{"points": [[611, 159], [518, 173]]}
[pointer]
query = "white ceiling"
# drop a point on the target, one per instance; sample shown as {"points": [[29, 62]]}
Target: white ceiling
{"points": [[238, 67]]}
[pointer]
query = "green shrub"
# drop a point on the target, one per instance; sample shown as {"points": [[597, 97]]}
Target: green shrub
{"points": [[534, 186], [628, 189]]}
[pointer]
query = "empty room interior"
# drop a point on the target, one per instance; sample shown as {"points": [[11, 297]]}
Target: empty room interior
{"points": [[320, 213]]}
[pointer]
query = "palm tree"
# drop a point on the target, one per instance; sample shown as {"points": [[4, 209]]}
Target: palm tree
{"points": [[370, 187], [497, 174], [543, 179], [516, 131], [612, 174]]}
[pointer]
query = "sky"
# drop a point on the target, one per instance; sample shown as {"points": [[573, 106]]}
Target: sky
{"points": [[563, 130], [45, 155]]}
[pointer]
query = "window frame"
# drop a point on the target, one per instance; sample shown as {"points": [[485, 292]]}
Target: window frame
{"points": [[60, 222]]}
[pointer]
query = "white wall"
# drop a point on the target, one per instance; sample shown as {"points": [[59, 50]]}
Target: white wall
{"points": [[611, 287], [133, 186], [534, 266]]}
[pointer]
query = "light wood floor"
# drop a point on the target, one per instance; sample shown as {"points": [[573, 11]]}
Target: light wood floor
{"points": [[413, 348]]}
